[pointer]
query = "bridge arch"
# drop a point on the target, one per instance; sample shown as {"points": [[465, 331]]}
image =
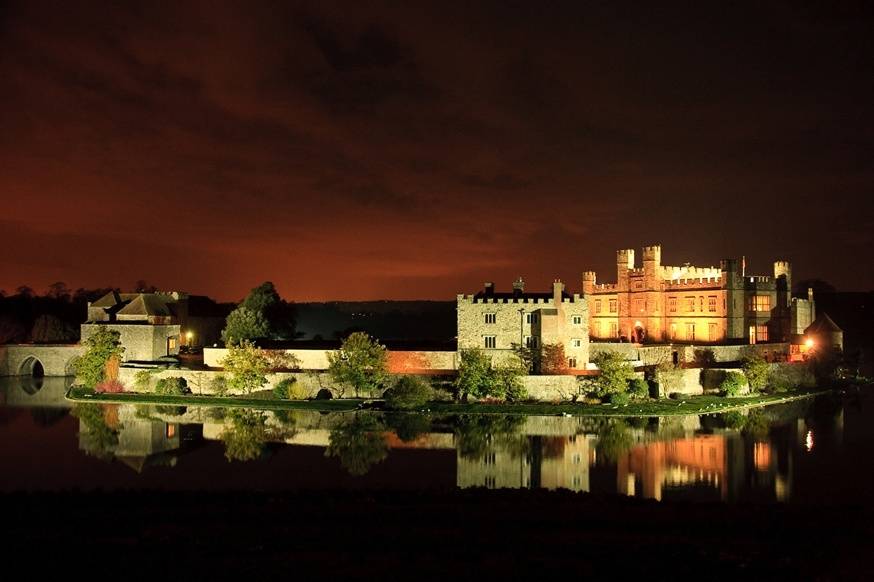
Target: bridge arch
{"points": [[32, 366]]}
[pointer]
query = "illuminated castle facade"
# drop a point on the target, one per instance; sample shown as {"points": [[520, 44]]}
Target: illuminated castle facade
{"points": [[687, 304]]}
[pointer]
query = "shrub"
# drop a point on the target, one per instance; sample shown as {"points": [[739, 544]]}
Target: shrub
{"points": [[638, 389], [409, 392], [109, 386], [516, 392], [756, 370], [615, 375], [621, 398], [219, 385], [143, 380], [732, 384], [785, 377], [173, 386], [507, 385], [289, 389], [324, 394], [103, 345]]}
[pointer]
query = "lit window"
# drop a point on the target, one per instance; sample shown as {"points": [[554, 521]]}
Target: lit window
{"points": [[690, 330], [711, 304], [491, 317], [577, 320], [612, 306], [597, 306], [171, 431], [171, 343], [489, 341], [576, 342], [760, 303], [672, 304], [761, 333], [690, 304]]}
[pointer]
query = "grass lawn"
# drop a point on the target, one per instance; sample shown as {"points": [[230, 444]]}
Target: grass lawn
{"points": [[255, 400], [666, 407]]}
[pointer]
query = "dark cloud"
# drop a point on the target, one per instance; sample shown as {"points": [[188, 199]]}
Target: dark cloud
{"points": [[402, 150]]}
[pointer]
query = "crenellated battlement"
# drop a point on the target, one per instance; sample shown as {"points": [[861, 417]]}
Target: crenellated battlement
{"points": [[653, 253], [474, 300], [606, 288], [689, 272], [694, 283]]}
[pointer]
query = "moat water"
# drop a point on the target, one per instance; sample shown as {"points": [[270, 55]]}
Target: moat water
{"points": [[819, 450]]}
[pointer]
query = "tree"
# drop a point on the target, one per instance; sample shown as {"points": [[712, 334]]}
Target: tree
{"points": [[475, 376], [262, 314], [141, 286], [244, 324], [261, 298], [553, 361], [530, 357], [59, 291], [756, 369], [361, 362], [102, 346], [615, 375], [49, 329], [478, 378], [11, 329], [247, 366]]}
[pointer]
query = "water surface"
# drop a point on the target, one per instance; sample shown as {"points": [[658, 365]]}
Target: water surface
{"points": [[808, 451]]}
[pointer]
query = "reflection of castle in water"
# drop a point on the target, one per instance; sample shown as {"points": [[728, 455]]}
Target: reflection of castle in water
{"points": [[664, 459]]}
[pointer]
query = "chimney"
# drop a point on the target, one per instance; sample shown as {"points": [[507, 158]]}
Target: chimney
{"points": [[489, 289], [557, 289], [518, 285]]}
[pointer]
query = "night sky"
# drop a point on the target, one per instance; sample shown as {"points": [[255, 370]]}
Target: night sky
{"points": [[414, 150]]}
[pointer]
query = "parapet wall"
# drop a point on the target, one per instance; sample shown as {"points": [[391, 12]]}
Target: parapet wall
{"points": [[399, 362]]}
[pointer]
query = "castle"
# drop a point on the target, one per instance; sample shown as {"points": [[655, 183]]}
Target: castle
{"points": [[652, 303], [495, 322], [688, 304]]}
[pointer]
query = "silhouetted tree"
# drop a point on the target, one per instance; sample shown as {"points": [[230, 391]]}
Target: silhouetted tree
{"points": [[141, 286], [49, 329], [58, 291]]}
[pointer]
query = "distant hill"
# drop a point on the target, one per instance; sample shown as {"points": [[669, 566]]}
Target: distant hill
{"points": [[430, 321]]}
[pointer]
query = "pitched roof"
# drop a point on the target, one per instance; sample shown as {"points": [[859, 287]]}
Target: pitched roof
{"points": [[823, 324], [112, 299], [145, 304]]}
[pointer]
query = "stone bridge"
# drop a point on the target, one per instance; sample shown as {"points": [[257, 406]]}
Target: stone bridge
{"points": [[38, 359]]}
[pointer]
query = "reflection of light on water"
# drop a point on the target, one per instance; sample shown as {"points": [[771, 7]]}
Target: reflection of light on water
{"points": [[808, 441], [762, 456]]}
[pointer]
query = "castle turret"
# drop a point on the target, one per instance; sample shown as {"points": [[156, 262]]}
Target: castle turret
{"points": [[557, 290], [783, 278], [589, 281], [624, 264], [652, 266]]}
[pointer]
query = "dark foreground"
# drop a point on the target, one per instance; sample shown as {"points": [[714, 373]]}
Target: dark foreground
{"points": [[456, 534]]}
